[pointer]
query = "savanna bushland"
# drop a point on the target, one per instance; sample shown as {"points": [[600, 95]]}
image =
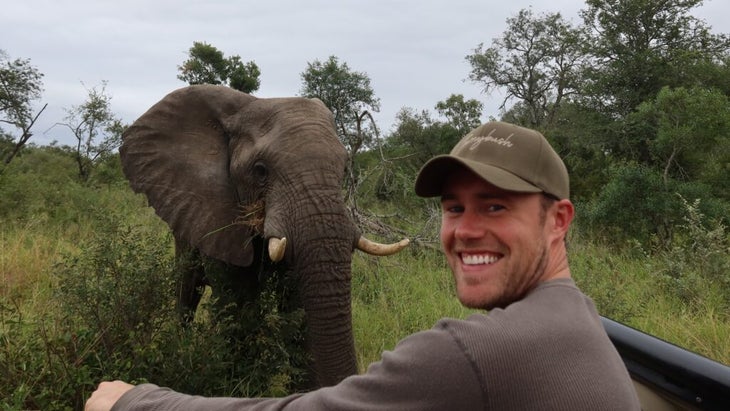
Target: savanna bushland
{"points": [[634, 99]]}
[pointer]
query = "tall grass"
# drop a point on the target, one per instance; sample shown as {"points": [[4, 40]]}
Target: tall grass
{"points": [[396, 296]]}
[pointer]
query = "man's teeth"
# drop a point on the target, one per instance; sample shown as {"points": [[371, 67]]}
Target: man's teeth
{"points": [[477, 259]]}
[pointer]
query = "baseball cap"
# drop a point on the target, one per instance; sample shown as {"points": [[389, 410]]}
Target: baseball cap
{"points": [[508, 156]]}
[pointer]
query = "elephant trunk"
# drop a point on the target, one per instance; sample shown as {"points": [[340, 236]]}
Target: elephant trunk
{"points": [[328, 314], [321, 254]]}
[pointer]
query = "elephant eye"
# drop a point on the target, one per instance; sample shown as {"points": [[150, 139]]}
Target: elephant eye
{"points": [[260, 173]]}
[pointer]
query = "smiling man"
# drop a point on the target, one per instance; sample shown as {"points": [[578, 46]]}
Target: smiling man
{"points": [[505, 215]]}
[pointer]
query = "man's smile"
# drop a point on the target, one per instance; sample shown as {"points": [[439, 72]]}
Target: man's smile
{"points": [[479, 259]]}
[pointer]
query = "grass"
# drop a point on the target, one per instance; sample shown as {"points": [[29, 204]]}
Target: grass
{"points": [[24, 259], [704, 330], [396, 296]]}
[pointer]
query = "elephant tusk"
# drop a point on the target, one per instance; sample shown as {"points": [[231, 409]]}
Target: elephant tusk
{"points": [[276, 248], [373, 248]]}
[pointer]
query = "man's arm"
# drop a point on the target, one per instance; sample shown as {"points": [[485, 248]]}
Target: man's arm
{"points": [[427, 370]]}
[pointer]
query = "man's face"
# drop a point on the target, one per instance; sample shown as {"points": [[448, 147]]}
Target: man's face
{"points": [[495, 241]]}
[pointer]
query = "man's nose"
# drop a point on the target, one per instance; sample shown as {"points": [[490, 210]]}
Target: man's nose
{"points": [[471, 225]]}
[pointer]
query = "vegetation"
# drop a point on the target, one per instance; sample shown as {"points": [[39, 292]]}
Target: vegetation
{"points": [[97, 131], [20, 85], [640, 117], [207, 65]]}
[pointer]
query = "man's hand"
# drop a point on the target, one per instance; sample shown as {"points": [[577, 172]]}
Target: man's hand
{"points": [[106, 395]]}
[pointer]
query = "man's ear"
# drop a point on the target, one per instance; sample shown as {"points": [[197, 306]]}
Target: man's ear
{"points": [[564, 211]]}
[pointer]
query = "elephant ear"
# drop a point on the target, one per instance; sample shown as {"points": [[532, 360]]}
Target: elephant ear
{"points": [[177, 155]]}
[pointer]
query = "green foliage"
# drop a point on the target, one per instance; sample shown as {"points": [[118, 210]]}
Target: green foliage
{"points": [[105, 313], [619, 283], [464, 115], [243, 76], [105, 309], [536, 61], [112, 315], [685, 131], [347, 94], [207, 65], [634, 204], [20, 85], [641, 46], [385, 292], [39, 184], [420, 137], [639, 203], [695, 266], [119, 286], [97, 130], [263, 343], [351, 99], [108, 171]]}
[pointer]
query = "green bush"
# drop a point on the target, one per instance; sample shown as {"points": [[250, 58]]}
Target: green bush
{"points": [[634, 204], [638, 204], [111, 315], [696, 263]]}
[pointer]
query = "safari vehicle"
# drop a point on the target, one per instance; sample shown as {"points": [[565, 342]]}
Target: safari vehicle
{"points": [[668, 377]]}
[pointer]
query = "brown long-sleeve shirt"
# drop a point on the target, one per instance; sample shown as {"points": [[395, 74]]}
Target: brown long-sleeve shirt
{"points": [[547, 351]]}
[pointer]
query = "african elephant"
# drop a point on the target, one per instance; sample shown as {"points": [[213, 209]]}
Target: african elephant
{"points": [[229, 173]]}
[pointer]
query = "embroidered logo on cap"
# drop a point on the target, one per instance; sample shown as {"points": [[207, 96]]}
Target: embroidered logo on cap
{"points": [[474, 141]]}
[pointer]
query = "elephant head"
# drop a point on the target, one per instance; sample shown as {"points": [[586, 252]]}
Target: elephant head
{"points": [[229, 172]]}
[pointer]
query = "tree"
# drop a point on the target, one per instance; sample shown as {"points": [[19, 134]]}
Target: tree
{"points": [[347, 93], [418, 137], [641, 46], [690, 131], [463, 115], [97, 130], [351, 99], [20, 85], [208, 65], [537, 61]]}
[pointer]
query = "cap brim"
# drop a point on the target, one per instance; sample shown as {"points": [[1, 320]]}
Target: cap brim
{"points": [[433, 175]]}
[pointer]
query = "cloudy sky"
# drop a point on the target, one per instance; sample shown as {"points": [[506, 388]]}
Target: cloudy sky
{"points": [[412, 50]]}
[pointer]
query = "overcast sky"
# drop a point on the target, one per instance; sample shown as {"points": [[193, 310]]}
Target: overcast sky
{"points": [[412, 50]]}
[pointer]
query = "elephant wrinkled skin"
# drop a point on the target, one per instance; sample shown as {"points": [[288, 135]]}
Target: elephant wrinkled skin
{"points": [[228, 172]]}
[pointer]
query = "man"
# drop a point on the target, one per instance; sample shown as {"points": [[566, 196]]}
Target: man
{"points": [[505, 214]]}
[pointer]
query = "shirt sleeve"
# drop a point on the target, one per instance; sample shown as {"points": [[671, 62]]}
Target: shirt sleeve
{"points": [[426, 371]]}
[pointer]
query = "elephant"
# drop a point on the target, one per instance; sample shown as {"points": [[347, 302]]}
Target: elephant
{"points": [[238, 178]]}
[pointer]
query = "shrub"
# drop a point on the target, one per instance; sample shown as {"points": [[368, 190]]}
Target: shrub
{"points": [[634, 204], [696, 263], [111, 315], [639, 204]]}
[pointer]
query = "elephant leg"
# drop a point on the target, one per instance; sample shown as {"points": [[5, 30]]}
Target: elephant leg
{"points": [[190, 281]]}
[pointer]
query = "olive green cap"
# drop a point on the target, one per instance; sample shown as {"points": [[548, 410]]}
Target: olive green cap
{"points": [[510, 157]]}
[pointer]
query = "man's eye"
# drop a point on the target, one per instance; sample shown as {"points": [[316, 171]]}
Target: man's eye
{"points": [[453, 208], [495, 207]]}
